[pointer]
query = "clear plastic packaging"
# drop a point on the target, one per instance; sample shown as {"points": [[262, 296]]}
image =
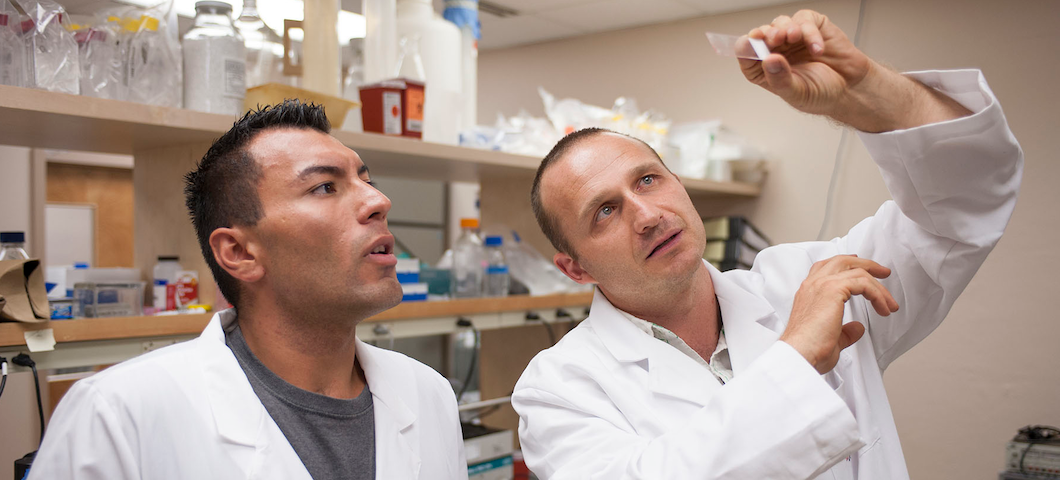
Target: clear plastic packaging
{"points": [[153, 66], [12, 48], [53, 58], [214, 62], [497, 280], [101, 60], [467, 270]]}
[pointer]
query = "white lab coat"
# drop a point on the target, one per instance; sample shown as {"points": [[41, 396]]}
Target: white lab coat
{"points": [[189, 412], [612, 402]]}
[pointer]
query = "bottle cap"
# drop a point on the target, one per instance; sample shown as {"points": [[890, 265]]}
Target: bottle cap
{"points": [[12, 237], [494, 241], [468, 223]]}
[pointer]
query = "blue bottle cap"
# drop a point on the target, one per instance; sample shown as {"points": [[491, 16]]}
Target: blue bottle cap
{"points": [[494, 241], [12, 237]]}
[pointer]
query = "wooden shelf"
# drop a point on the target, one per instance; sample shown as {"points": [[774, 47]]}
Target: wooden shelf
{"points": [[42, 119], [115, 328]]}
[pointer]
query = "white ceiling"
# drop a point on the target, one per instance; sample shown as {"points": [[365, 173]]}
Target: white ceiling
{"points": [[543, 20]]}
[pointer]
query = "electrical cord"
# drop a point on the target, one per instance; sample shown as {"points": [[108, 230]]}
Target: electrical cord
{"points": [[1036, 434], [534, 317], [829, 200], [3, 375], [463, 322], [24, 360]]}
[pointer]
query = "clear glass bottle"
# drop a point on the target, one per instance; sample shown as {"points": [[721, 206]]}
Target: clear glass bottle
{"points": [[263, 45], [466, 274], [13, 246], [497, 279], [215, 64]]}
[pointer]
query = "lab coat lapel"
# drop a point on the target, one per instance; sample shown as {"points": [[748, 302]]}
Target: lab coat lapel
{"points": [[248, 436], [670, 372], [396, 442], [745, 317]]}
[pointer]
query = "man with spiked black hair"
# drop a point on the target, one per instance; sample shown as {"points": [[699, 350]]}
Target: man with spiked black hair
{"points": [[295, 233]]}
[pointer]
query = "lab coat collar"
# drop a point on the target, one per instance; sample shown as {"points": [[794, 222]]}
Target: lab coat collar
{"points": [[745, 317], [397, 445], [237, 411], [749, 320]]}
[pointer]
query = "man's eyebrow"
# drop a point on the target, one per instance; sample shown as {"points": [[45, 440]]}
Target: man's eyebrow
{"points": [[363, 170], [332, 170], [593, 202]]}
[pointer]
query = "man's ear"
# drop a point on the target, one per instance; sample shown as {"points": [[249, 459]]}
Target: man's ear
{"points": [[232, 251], [571, 268]]}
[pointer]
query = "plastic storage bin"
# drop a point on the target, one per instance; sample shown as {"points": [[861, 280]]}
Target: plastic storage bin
{"points": [[95, 300]]}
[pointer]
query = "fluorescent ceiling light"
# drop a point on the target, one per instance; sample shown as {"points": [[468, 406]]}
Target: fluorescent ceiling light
{"points": [[273, 12]]}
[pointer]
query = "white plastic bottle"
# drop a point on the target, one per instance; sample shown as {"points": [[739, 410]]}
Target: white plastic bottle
{"points": [[498, 280], [165, 278], [465, 276], [464, 14], [440, 50]]}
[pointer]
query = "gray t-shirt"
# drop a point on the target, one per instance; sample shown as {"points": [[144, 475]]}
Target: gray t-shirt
{"points": [[335, 438]]}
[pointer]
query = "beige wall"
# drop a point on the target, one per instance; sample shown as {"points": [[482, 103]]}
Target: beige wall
{"points": [[992, 367]]}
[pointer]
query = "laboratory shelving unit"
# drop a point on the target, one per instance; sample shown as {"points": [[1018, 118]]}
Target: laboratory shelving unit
{"points": [[167, 142], [103, 341]]}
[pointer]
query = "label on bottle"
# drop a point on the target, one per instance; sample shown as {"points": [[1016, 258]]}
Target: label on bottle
{"points": [[235, 78], [159, 291], [391, 113], [187, 288], [495, 269], [414, 97]]}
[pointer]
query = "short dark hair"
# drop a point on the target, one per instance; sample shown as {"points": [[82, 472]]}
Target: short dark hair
{"points": [[547, 221], [222, 190]]}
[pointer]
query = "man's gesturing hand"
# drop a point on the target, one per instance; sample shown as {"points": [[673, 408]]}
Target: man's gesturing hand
{"points": [[815, 328]]}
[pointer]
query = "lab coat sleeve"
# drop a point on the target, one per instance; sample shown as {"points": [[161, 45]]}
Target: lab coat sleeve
{"points": [[86, 440], [777, 420], [954, 186]]}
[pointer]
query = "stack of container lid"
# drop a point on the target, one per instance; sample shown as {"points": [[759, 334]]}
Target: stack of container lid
{"points": [[408, 275]]}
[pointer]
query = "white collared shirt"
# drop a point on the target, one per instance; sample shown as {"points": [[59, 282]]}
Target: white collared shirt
{"points": [[719, 364]]}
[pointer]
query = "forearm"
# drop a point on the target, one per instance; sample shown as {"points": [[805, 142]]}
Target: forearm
{"points": [[886, 101]]}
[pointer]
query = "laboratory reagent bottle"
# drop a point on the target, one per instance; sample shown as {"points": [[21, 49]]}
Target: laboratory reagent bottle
{"points": [[497, 279], [466, 274], [13, 246], [165, 282]]}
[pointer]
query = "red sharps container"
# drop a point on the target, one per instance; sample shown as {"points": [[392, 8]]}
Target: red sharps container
{"points": [[393, 107]]}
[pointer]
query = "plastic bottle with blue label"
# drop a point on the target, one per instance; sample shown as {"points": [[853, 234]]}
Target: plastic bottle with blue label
{"points": [[498, 280]]}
